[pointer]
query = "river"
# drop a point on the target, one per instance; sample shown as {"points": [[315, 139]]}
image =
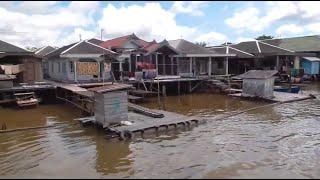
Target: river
{"points": [[275, 142]]}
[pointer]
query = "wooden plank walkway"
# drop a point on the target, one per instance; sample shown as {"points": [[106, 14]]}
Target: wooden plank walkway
{"points": [[145, 111], [282, 97]]}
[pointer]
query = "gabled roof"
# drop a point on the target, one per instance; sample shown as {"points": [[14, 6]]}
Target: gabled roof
{"points": [[119, 42], [95, 41], [230, 50], [11, 49], [44, 50], [82, 47], [298, 44], [185, 47], [259, 47], [258, 74], [154, 46]]}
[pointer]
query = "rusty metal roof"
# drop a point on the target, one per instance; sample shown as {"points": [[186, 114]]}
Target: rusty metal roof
{"points": [[110, 87]]}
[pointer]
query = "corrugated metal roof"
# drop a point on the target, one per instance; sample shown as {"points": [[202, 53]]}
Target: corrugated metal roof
{"points": [[298, 44], [237, 52], [10, 48], [311, 58], [257, 47], [110, 88], [258, 74]]}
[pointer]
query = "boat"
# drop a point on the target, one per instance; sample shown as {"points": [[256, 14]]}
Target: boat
{"points": [[294, 89], [26, 99]]}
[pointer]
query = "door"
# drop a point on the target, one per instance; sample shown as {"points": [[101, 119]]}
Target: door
{"points": [[29, 72]]}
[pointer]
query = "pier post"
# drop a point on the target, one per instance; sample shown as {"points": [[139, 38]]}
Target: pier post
{"points": [[164, 92], [178, 87], [190, 86]]}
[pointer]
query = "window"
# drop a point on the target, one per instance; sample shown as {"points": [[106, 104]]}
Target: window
{"points": [[220, 64], [71, 66]]}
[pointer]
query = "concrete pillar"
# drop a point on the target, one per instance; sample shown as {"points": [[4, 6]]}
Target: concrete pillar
{"points": [[296, 62], [75, 71], [164, 64], [209, 66], [190, 59], [157, 69], [278, 64], [227, 66], [99, 70], [130, 63], [164, 92], [171, 66]]}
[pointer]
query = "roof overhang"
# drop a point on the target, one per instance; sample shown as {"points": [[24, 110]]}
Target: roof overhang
{"points": [[81, 55], [205, 55]]}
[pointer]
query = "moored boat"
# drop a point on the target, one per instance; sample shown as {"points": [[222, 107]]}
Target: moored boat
{"points": [[294, 89]]}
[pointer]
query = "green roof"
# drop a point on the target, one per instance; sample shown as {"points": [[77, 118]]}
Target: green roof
{"points": [[298, 44]]}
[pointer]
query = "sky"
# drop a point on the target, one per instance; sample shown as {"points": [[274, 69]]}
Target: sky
{"points": [[58, 23]]}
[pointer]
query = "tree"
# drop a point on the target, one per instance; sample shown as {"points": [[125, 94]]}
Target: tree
{"points": [[203, 44], [32, 49], [264, 37]]}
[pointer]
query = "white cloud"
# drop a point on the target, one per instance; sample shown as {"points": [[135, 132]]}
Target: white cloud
{"points": [[149, 21], [55, 27], [314, 28], [241, 39], [289, 29], [243, 20], [258, 19], [212, 38], [188, 7]]}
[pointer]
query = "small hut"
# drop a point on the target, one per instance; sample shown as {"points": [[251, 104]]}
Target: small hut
{"points": [[258, 83], [111, 103]]}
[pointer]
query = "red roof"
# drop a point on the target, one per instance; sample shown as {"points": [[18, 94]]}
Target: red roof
{"points": [[121, 41]]}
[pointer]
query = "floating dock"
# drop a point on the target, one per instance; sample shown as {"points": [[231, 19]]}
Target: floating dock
{"points": [[145, 119], [142, 123]]}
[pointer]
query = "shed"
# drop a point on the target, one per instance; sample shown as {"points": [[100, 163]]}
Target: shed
{"points": [[310, 65], [111, 103], [258, 83]]}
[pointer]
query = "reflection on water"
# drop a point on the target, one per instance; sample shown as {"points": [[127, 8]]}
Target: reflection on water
{"points": [[281, 141]]}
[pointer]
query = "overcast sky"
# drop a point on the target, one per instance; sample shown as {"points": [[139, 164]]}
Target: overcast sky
{"points": [[59, 23]]}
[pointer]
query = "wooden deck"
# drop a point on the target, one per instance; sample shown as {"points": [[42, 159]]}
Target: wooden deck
{"points": [[281, 97]]}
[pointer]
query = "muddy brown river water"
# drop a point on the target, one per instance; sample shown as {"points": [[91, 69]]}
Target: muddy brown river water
{"points": [[281, 141]]}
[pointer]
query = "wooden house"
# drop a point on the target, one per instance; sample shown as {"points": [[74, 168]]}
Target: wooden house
{"points": [[258, 83], [141, 59], [83, 61], [111, 103], [267, 56], [40, 53], [194, 60], [238, 64], [20, 62]]}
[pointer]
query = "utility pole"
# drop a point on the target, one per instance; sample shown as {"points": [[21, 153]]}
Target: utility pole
{"points": [[80, 36]]}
